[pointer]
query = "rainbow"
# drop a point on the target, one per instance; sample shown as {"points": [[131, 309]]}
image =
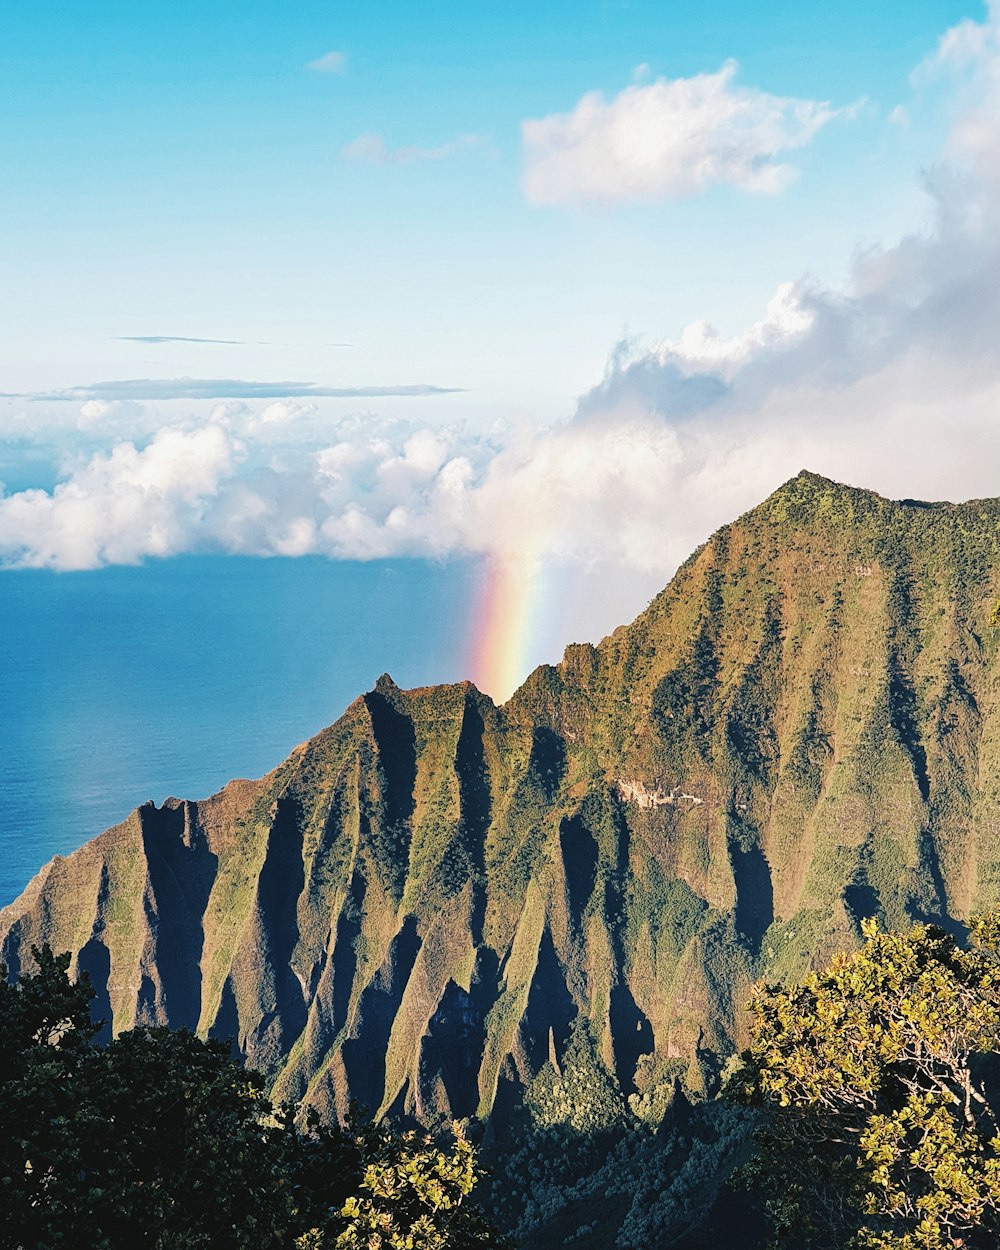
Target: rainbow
{"points": [[505, 616]]}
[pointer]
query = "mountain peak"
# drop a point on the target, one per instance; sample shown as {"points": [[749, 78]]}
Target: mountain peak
{"points": [[806, 484], [807, 478], [435, 901], [808, 496]]}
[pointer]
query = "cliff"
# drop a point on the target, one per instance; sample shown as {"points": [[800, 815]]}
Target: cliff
{"points": [[431, 901]]}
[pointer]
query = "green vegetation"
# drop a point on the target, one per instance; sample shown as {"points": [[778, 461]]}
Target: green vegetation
{"points": [[161, 1140], [876, 1078], [799, 733], [578, 1167], [441, 908], [411, 1196]]}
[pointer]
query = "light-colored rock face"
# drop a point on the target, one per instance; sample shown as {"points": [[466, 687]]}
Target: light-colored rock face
{"points": [[644, 795], [420, 907]]}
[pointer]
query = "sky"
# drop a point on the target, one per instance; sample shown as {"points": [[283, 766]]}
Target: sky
{"points": [[561, 287]]}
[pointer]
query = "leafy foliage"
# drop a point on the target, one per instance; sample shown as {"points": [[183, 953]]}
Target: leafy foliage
{"points": [[881, 1133], [160, 1139], [411, 1198], [577, 1167]]}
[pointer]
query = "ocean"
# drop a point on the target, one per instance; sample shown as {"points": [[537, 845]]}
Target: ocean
{"points": [[127, 684]]}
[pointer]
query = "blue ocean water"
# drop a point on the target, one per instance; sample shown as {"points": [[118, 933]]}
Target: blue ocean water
{"points": [[127, 684]]}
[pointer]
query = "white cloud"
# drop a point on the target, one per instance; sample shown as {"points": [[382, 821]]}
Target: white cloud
{"points": [[371, 148], [127, 389], [122, 505], [966, 44], [668, 139], [96, 410], [285, 411], [99, 413], [966, 65], [893, 383], [329, 63]]}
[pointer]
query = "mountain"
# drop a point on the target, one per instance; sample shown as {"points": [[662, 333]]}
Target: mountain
{"points": [[436, 903]]}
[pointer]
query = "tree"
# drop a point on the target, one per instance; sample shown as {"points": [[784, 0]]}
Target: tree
{"points": [[411, 1197], [876, 1079], [162, 1140]]}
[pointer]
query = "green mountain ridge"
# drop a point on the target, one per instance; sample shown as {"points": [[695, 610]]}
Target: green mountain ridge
{"points": [[432, 902]]}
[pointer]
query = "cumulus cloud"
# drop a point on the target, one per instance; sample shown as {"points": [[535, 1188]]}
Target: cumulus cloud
{"points": [[99, 414], [359, 487], [329, 63], [122, 505], [226, 388], [286, 410], [967, 63], [668, 139], [969, 44], [371, 148]]}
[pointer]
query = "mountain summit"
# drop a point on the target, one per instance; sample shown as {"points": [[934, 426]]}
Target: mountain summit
{"points": [[428, 904]]}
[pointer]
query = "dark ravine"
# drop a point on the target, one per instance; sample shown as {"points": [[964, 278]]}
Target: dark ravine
{"points": [[423, 904]]}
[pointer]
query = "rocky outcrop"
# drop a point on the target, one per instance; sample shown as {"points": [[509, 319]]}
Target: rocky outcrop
{"points": [[425, 904], [638, 792]]}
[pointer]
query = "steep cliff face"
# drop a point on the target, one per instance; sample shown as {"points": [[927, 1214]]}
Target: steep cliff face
{"points": [[426, 905]]}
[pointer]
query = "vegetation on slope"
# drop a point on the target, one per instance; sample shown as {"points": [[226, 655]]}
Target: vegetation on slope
{"points": [[441, 908], [863, 1113], [878, 1079], [159, 1139]]}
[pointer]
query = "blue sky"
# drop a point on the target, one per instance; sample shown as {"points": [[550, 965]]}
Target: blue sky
{"points": [[558, 286], [178, 170]]}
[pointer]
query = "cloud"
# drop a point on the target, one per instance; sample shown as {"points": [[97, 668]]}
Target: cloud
{"points": [[175, 338], [181, 338], [226, 388], [668, 139], [966, 66], [284, 411], [969, 44], [122, 505], [100, 414], [329, 63], [371, 148], [893, 382], [276, 481]]}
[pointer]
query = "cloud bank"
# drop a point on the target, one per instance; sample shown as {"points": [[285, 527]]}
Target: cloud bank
{"points": [[892, 382], [226, 388], [176, 338], [668, 139]]}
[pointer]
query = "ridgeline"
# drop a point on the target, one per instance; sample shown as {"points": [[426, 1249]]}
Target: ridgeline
{"points": [[435, 901]]}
